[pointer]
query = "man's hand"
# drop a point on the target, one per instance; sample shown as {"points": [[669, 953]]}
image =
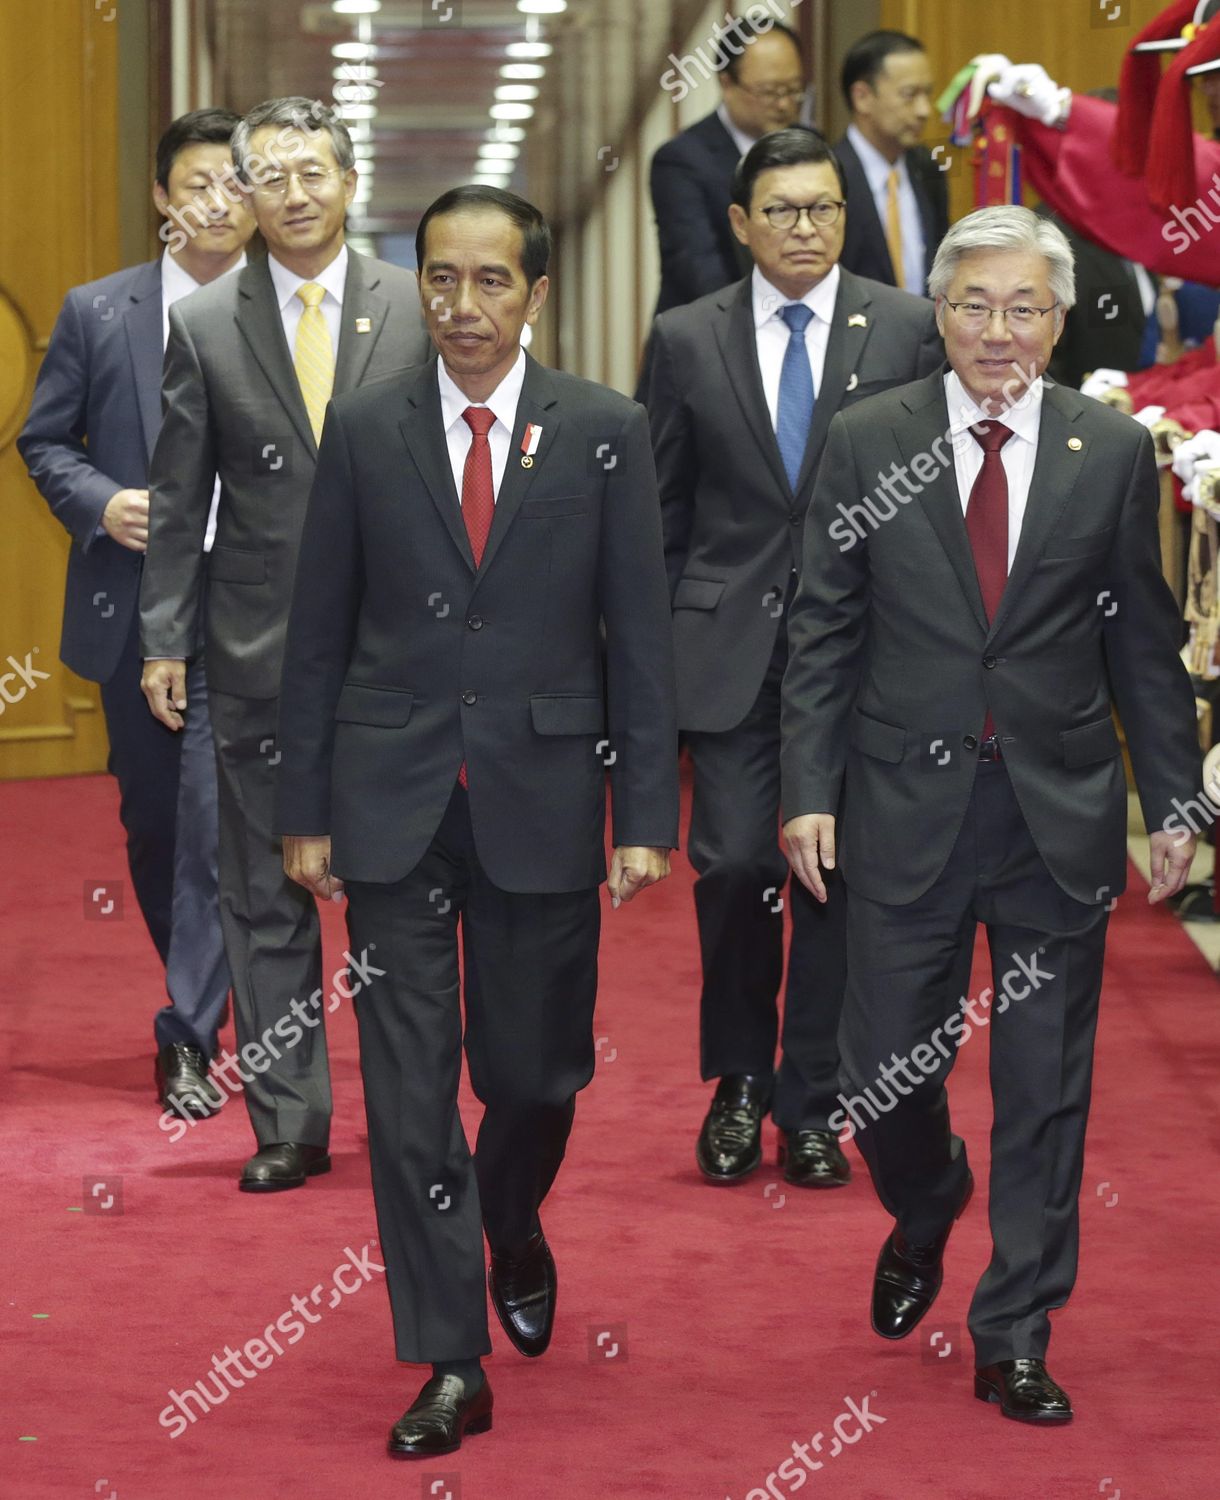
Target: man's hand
{"points": [[307, 861], [1171, 859], [632, 867], [810, 839], [126, 519], [164, 685]]}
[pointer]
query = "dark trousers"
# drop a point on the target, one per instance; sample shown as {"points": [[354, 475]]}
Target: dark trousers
{"points": [[167, 805], [271, 931], [739, 900], [908, 972], [530, 983]]}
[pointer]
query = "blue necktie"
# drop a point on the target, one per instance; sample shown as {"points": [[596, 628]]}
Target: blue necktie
{"points": [[796, 397]]}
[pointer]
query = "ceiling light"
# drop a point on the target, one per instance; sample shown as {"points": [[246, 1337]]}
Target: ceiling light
{"points": [[538, 7], [357, 111], [355, 7], [511, 91], [528, 49], [354, 51], [522, 70], [512, 111], [505, 133], [355, 93], [506, 149]]}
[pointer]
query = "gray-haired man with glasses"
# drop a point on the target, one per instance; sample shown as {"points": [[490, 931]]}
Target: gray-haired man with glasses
{"points": [[743, 387], [250, 365]]}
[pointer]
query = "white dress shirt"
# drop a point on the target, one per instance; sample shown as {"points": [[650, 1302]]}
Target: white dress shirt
{"points": [[1017, 454], [287, 282], [741, 140], [771, 333], [503, 401], [176, 282], [877, 171]]}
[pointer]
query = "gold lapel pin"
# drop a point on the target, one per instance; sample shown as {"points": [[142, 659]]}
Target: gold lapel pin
{"points": [[527, 461], [857, 320], [853, 382], [364, 325], [1075, 444]]}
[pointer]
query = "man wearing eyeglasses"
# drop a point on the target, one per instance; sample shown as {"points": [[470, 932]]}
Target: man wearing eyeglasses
{"points": [[956, 658], [743, 387], [250, 365]]}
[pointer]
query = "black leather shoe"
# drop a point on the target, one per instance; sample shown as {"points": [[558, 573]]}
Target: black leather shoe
{"points": [[1025, 1391], [183, 1086], [908, 1277], [439, 1417], [284, 1165], [729, 1147], [523, 1290], [812, 1159]]}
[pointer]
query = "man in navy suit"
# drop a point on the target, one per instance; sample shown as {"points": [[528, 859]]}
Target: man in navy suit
{"points": [[87, 443]]}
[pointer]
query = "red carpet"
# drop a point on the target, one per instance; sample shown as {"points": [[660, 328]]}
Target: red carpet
{"points": [[739, 1315]]}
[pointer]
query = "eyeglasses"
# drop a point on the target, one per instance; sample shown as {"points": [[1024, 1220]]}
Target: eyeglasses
{"points": [[821, 214], [312, 179], [977, 315], [772, 93]]}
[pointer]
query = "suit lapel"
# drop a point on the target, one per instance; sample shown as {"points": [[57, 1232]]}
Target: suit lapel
{"points": [[536, 405], [144, 326], [844, 350], [363, 307], [424, 434], [258, 318], [737, 339]]}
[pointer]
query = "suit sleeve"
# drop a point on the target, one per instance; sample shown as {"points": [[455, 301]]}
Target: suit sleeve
{"points": [[689, 252], [53, 441], [641, 690], [1142, 641], [673, 448], [827, 637], [320, 638], [181, 483]]}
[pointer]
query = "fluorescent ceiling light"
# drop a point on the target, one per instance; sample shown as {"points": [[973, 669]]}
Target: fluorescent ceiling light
{"points": [[512, 111], [506, 149], [522, 70], [528, 49], [511, 91], [354, 51], [505, 133], [357, 111], [540, 7], [355, 7]]}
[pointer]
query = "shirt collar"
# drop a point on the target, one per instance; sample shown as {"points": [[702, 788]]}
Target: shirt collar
{"points": [[331, 278], [741, 140], [1023, 417], [877, 168], [177, 281], [768, 300], [503, 401]]}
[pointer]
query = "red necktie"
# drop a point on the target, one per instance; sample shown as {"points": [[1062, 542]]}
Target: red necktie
{"points": [[987, 523], [478, 495]]}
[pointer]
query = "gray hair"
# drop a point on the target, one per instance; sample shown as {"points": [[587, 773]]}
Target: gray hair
{"points": [[292, 113], [1007, 227]]}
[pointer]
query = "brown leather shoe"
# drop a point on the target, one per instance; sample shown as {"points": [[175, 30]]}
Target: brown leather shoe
{"points": [[1025, 1391], [439, 1417], [283, 1165]]}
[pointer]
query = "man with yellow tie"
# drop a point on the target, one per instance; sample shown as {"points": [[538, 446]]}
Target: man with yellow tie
{"points": [[897, 202], [249, 369]]}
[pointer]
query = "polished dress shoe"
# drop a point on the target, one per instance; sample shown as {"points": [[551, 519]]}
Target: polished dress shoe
{"points": [[812, 1159], [523, 1290], [1025, 1391], [729, 1147], [439, 1417], [183, 1085], [284, 1165], [908, 1277]]}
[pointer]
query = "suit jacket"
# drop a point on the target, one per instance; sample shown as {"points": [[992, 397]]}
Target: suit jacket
{"points": [[1106, 328], [733, 525], [893, 665], [865, 250], [691, 178], [403, 661], [90, 432], [233, 407]]}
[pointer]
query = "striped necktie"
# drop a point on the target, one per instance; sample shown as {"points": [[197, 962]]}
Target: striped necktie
{"points": [[314, 356]]}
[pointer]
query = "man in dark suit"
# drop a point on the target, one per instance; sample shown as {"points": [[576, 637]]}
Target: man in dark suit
{"points": [[897, 201], [762, 83], [250, 365], [88, 442], [444, 734], [981, 587], [740, 402]]}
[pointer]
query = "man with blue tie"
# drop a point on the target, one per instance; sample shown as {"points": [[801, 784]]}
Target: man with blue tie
{"points": [[742, 389]]}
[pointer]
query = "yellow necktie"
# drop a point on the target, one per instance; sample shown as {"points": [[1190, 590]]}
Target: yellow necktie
{"points": [[893, 229], [314, 356]]}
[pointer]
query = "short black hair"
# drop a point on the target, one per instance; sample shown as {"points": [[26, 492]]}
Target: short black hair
{"points": [[725, 59], [535, 232], [866, 58], [790, 147], [202, 127]]}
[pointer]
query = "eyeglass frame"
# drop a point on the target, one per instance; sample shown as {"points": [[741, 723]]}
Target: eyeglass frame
{"points": [[1003, 311], [769, 93], [272, 189], [838, 204]]}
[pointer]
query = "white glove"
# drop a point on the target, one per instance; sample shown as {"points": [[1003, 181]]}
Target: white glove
{"points": [[1147, 415], [1029, 89], [1194, 458], [988, 66], [1101, 381]]}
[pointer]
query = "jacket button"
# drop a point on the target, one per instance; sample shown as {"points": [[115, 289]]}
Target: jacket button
{"points": [[794, 518], [475, 622], [991, 662], [469, 698], [970, 742]]}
